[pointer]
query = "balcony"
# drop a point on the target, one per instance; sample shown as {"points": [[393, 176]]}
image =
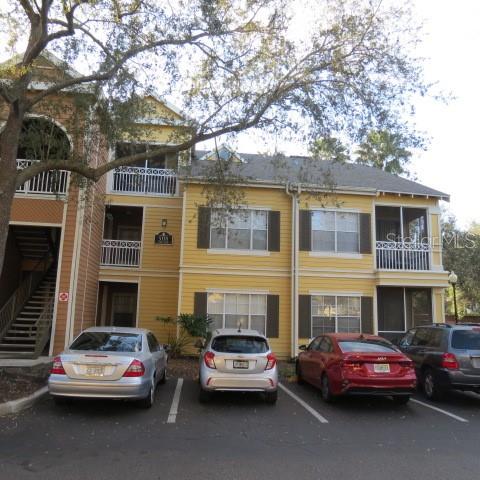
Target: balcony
{"points": [[143, 181], [122, 229], [52, 182], [403, 255], [121, 253], [402, 238]]}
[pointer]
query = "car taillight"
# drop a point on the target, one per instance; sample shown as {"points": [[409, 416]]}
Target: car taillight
{"points": [[57, 367], [352, 366], [271, 361], [135, 369], [449, 361], [209, 359]]}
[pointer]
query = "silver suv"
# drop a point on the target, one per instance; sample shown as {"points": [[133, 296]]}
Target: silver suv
{"points": [[445, 356], [238, 360]]}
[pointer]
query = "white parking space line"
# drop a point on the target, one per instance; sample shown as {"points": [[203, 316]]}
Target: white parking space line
{"points": [[440, 410], [305, 405], [172, 415]]}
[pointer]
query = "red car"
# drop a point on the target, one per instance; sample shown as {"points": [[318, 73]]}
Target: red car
{"points": [[356, 364]]}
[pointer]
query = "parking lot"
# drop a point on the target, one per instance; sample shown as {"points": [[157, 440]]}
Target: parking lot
{"points": [[238, 436]]}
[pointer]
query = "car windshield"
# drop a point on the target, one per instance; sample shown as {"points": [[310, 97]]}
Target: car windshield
{"points": [[366, 346], [239, 344], [108, 342], [466, 339]]}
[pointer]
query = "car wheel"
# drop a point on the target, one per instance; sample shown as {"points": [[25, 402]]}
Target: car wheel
{"points": [[326, 390], [163, 379], [271, 397], [430, 386], [149, 400], [401, 399], [204, 395], [298, 371]]}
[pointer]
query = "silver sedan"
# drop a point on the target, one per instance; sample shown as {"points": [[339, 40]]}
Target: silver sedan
{"points": [[110, 362], [238, 360]]}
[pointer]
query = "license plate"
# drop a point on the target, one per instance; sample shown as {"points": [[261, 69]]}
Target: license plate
{"points": [[95, 371], [476, 362], [381, 368], [240, 364]]}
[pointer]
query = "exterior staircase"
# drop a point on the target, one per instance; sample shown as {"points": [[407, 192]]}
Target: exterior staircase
{"points": [[22, 337]]}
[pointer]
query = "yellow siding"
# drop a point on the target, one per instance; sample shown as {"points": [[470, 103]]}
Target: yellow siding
{"points": [[274, 286], [273, 199], [157, 298], [438, 305]]}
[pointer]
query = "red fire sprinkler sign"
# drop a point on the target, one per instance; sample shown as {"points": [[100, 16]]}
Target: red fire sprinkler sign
{"points": [[63, 297]]}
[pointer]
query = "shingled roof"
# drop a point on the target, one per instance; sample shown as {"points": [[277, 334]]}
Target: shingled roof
{"points": [[314, 173]]}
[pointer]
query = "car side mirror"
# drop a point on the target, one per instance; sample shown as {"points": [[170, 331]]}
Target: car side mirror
{"points": [[302, 347], [200, 343]]}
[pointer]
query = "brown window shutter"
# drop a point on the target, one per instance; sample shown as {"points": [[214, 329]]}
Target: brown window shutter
{"points": [[305, 230], [273, 231], [273, 316], [203, 231], [304, 316], [367, 314], [365, 233], [200, 304]]}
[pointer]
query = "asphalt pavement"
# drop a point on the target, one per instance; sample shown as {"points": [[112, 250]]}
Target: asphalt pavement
{"points": [[238, 436]]}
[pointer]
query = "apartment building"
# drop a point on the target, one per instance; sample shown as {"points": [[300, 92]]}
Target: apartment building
{"points": [[309, 247]]}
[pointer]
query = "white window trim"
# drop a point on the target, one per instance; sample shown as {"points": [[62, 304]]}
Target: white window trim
{"points": [[352, 256], [231, 292], [336, 295], [240, 251], [336, 211], [234, 251]]}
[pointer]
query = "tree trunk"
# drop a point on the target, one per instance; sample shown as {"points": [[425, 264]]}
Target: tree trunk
{"points": [[8, 173]]}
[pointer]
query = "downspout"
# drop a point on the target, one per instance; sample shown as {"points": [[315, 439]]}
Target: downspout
{"points": [[294, 191]]}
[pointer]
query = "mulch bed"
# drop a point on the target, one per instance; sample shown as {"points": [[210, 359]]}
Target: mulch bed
{"points": [[18, 382]]}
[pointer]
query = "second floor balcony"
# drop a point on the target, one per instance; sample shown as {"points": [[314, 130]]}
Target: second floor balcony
{"points": [[51, 182], [402, 241]]}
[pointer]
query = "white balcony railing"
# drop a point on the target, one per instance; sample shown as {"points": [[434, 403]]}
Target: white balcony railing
{"points": [[403, 256], [142, 180], [51, 182], [121, 253]]}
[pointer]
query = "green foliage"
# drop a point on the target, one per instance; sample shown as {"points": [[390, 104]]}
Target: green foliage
{"points": [[461, 253], [194, 325], [191, 327], [385, 150], [330, 148]]}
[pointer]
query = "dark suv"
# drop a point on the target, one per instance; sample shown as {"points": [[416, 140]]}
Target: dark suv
{"points": [[445, 356]]}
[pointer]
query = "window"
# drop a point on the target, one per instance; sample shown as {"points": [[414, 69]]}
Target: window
{"points": [[334, 231], [335, 314], [239, 344], [366, 346], [231, 310], [239, 230], [466, 339], [108, 342], [152, 343]]}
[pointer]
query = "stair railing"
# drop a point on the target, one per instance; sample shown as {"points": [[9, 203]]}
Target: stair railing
{"points": [[14, 305], [43, 326]]}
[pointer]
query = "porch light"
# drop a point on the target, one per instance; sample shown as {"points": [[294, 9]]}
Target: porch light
{"points": [[453, 279]]}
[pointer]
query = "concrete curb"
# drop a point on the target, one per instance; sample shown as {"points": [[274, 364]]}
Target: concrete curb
{"points": [[15, 406]]}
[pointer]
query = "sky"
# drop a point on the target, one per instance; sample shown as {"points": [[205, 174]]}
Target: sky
{"points": [[451, 161]]}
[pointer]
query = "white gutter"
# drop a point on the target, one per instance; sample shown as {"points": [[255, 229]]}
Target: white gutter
{"points": [[294, 191]]}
